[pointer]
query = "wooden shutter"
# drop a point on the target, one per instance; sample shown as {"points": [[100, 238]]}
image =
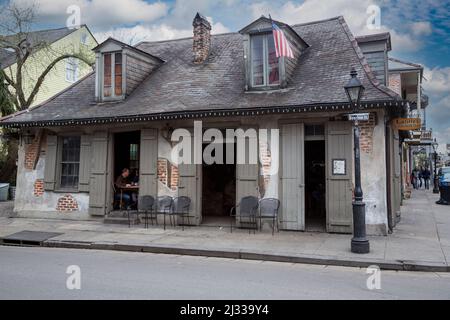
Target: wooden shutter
{"points": [[148, 163], [247, 174], [189, 186], [292, 177], [85, 163], [98, 180], [339, 187], [50, 163]]}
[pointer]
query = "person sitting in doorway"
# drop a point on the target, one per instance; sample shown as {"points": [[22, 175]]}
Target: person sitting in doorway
{"points": [[129, 199]]}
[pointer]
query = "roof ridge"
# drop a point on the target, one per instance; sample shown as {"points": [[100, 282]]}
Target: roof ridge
{"points": [[363, 61], [236, 32], [405, 62]]}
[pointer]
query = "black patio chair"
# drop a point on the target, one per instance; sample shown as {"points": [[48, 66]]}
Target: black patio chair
{"points": [[181, 207], [146, 205], [164, 206], [246, 211], [268, 209]]}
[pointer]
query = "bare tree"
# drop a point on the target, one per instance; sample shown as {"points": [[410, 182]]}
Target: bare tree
{"points": [[17, 39], [34, 59]]}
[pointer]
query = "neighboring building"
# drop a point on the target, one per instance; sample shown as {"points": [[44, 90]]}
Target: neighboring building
{"points": [[65, 73], [123, 115]]}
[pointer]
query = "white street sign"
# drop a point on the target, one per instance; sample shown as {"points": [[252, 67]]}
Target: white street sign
{"points": [[358, 116]]}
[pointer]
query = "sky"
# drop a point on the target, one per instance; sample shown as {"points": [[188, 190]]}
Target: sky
{"points": [[420, 29]]}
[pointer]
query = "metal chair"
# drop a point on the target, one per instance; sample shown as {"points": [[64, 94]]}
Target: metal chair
{"points": [[268, 209], [181, 207], [248, 209], [146, 205], [164, 206]]}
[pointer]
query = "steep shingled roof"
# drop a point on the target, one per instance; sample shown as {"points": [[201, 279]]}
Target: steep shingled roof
{"points": [[35, 37], [179, 85]]}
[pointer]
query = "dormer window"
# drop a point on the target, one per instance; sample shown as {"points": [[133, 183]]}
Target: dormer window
{"points": [[120, 68], [112, 75], [265, 69]]}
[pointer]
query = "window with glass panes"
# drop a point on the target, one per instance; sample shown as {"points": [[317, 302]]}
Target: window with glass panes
{"points": [[134, 156], [70, 162], [112, 75], [264, 62]]}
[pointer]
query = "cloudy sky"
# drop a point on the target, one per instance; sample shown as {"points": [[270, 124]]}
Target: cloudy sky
{"points": [[420, 29]]}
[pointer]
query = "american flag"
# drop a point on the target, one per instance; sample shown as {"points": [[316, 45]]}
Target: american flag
{"points": [[282, 46]]}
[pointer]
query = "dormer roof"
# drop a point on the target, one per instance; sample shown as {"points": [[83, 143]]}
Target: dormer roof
{"points": [[123, 45], [264, 24]]}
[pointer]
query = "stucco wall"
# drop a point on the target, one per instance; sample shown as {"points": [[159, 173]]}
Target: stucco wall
{"points": [[27, 204], [373, 179]]}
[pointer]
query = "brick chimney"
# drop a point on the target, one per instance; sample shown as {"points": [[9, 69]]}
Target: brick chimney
{"points": [[202, 38]]}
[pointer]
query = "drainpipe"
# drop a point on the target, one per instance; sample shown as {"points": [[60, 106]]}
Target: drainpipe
{"points": [[388, 172]]}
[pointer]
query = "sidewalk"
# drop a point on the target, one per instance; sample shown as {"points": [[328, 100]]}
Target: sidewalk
{"points": [[421, 241]]}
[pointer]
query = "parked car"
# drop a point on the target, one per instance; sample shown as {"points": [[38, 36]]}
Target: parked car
{"points": [[444, 188]]}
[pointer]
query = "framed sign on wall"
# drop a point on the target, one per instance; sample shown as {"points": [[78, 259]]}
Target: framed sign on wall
{"points": [[339, 167]]}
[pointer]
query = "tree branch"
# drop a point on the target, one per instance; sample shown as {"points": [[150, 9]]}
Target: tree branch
{"points": [[41, 78]]}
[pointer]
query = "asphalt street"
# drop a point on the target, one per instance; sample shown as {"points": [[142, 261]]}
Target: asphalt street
{"points": [[46, 273]]}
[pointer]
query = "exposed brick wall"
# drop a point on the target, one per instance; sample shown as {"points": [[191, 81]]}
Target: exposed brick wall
{"points": [[202, 39], [39, 188], [162, 171], [67, 203], [174, 177], [266, 163], [366, 139], [395, 82], [168, 174], [32, 152]]}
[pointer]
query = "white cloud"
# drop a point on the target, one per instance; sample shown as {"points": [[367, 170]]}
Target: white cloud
{"points": [[437, 81], [354, 12], [102, 14], [139, 33], [421, 28]]}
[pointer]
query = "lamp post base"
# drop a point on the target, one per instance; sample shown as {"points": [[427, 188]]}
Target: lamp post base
{"points": [[360, 245], [435, 186]]}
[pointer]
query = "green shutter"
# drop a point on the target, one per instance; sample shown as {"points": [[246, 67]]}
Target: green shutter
{"points": [[50, 163], [98, 176], [292, 177], [148, 163], [339, 187], [85, 163]]}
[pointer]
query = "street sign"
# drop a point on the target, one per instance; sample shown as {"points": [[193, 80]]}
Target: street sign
{"points": [[407, 124], [358, 116]]}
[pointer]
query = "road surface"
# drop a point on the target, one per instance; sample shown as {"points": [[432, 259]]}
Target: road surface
{"points": [[41, 273]]}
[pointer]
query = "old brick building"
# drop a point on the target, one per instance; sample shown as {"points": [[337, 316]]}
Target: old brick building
{"points": [[124, 115]]}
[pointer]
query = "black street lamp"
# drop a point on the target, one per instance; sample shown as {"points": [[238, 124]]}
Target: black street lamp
{"points": [[436, 178], [359, 243]]}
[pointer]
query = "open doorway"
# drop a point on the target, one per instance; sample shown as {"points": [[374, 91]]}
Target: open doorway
{"points": [[126, 155], [315, 215], [218, 192]]}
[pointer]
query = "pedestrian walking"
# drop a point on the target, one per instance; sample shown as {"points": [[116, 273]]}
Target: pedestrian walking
{"points": [[426, 177], [420, 177], [414, 178]]}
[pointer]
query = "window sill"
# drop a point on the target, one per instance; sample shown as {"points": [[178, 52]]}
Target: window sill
{"points": [[60, 190]]}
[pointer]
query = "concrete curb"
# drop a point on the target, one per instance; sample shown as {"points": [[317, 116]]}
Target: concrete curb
{"points": [[396, 265]]}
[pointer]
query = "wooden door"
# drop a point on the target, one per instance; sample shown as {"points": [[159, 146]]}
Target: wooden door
{"points": [[148, 179], [339, 184], [292, 177], [99, 174]]}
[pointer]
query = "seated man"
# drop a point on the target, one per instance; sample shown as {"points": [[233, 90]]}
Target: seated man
{"points": [[126, 197]]}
